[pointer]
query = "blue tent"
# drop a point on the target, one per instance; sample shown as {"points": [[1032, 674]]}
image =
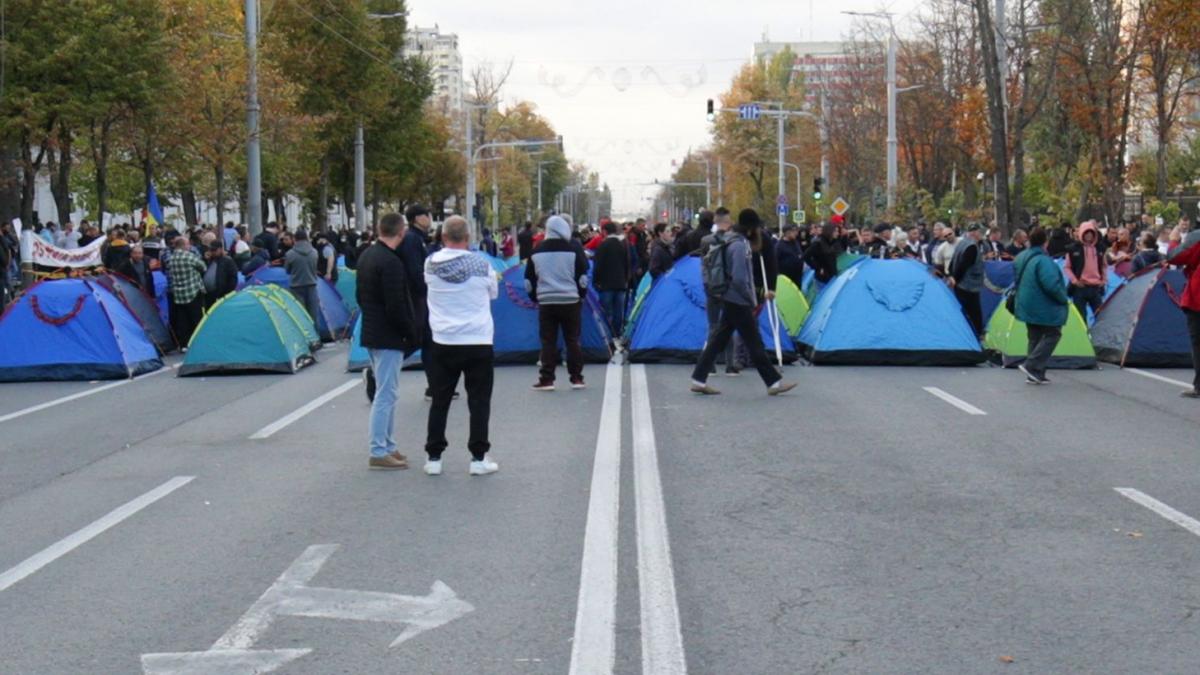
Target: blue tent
{"points": [[997, 277], [347, 287], [638, 302], [72, 329], [498, 264], [888, 312], [142, 305], [161, 299], [1141, 325], [358, 358], [334, 322], [248, 331], [672, 325], [516, 320]]}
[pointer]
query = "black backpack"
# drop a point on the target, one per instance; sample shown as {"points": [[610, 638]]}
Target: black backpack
{"points": [[714, 267]]}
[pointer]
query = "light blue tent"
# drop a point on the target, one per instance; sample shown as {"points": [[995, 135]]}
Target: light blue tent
{"points": [[888, 312], [358, 357], [248, 331], [672, 325], [72, 329]]}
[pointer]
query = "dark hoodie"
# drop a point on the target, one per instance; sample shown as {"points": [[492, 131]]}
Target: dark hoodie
{"points": [[301, 264], [557, 273]]}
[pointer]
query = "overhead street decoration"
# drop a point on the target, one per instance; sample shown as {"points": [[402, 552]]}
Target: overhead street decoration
{"points": [[290, 595]]}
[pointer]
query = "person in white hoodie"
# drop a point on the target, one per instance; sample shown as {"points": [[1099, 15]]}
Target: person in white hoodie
{"points": [[461, 287]]}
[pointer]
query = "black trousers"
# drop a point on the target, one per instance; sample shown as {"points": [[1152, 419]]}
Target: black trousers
{"points": [[736, 319], [1193, 323], [476, 365], [1042, 342], [185, 317], [971, 308], [1086, 296], [421, 310], [568, 319]]}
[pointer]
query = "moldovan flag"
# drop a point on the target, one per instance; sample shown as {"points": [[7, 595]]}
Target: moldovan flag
{"points": [[152, 214]]}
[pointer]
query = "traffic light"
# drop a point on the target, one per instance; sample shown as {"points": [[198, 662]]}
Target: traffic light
{"points": [[711, 115], [818, 183]]}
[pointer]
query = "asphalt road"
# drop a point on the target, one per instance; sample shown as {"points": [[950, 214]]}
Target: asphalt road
{"points": [[867, 522]]}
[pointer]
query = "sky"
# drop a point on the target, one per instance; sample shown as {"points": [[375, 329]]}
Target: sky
{"points": [[625, 81]]}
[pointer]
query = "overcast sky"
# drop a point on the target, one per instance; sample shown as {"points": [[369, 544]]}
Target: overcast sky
{"points": [[626, 81]]}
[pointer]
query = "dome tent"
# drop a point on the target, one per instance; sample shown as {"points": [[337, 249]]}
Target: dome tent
{"points": [[359, 358], [143, 307], [1008, 341], [793, 306], [639, 300], [247, 331], [334, 322], [293, 308], [72, 329], [888, 312], [673, 324], [516, 320], [1141, 325], [347, 287]]}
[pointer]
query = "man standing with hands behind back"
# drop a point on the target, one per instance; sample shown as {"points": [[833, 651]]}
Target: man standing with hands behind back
{"points": [[413, 250], [389, 331]]}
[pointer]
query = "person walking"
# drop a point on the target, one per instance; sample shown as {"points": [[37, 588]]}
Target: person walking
{"points": [[389, 332], [722, 224], [966, 276], [612, 278], [557, 279], [301, 265], [1187, 256], [1041, 302], [1086, 269], [186, 283], [461, 287], [729, 274]]}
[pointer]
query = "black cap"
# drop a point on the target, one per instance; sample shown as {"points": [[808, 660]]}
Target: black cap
{"points": [[414, 211], [749, 219], [882, 227]]}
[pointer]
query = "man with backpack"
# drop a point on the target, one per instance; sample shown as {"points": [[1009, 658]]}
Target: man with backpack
{"points": [[723, 224], [1041, 302], [728, 274]]}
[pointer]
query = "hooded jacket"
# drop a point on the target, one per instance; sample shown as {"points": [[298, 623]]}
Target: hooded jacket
{"points": [[557, 273], [461, 287], [301, 264], [1187, 256], [1077, 255], [1041, 294]]}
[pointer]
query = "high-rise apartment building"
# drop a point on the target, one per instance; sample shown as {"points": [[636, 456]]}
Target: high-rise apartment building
{"points": [[440, 50]]}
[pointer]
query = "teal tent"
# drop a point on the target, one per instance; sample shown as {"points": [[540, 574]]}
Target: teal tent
{"points": [[247, 331], [347, 287]]}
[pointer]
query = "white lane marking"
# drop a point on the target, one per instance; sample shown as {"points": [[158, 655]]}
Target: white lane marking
{"points": [[73, 541], [593, 651], [1183, 520], [78, 395], [220, 661], [662, 640], [1160, 378], [270, 429], [954, 401]]}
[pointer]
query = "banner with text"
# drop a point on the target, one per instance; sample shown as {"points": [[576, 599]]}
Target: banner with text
{"points": [[53, 256]]}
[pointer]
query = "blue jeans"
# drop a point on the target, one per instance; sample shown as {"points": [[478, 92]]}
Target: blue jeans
{"points": [[612, 303], [386, 365]]}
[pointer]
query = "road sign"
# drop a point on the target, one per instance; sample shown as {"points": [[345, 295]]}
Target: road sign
{"points": [[291, 596], [782, 209], [839, 206], [798, 216], [749, 111], [781, 200]]}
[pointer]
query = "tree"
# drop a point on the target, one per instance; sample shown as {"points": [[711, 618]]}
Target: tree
{"points": [[1170, 69]]}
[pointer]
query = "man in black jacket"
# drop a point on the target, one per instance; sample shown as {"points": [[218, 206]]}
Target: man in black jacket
{"points": [[389, 331], [220, 279], [612, 278], [789, 255], [525, 241], [661, 258], [822, 255], [137, 269], [413, 250]]}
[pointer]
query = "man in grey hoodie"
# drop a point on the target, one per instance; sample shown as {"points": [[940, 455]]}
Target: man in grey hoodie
{"points": [[737, 311], [556, 278], [301, 265]]}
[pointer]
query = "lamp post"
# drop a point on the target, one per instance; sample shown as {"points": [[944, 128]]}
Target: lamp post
{"points": [[797, 168], [253, 152]]}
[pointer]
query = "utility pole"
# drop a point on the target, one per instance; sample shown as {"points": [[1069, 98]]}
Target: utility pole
{"points": [[360, 180], [782, 187], [892, 169], [253, 153], [720, 180]]}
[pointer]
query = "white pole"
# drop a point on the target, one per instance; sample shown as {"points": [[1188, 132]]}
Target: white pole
{"points": [[891, 122], [253, 154], [360, 180], [782, 118]]}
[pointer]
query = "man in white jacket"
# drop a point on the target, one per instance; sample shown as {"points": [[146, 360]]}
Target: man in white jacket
{"points": [[461, 286]]}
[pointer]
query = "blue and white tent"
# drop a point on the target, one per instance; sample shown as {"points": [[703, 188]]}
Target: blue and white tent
{"points": [[888, 312], [516, 320]]}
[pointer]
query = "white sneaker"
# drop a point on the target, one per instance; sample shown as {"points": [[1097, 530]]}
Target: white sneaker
{"points": [[483, 467], [433, 467]]}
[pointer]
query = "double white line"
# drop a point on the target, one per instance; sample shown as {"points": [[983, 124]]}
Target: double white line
{"points": [[594, 648]]}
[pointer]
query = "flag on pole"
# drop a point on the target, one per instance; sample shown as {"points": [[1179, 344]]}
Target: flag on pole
{"points": [[152, 214]]}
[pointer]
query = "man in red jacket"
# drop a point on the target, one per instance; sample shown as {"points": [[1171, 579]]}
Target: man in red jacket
{"points": [[1187, 256]]}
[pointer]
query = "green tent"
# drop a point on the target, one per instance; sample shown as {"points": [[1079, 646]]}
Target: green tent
{"points": [[1008, 343], [793, 307], [639, 299], [347, 285], [247, 332], [294, 309]]}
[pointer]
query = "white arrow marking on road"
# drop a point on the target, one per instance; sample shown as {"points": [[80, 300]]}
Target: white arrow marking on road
{"points": [[224, 661], [291, 595]]}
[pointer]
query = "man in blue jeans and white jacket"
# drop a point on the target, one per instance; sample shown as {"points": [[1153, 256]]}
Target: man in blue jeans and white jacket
{"points": [[461, 286]]}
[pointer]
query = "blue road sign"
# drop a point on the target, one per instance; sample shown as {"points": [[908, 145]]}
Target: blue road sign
{"points": [[782, 209], [749, 111]]}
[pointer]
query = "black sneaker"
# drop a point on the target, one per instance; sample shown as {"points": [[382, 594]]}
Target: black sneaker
{"points": [[1192, 393], [1030, 378]]}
